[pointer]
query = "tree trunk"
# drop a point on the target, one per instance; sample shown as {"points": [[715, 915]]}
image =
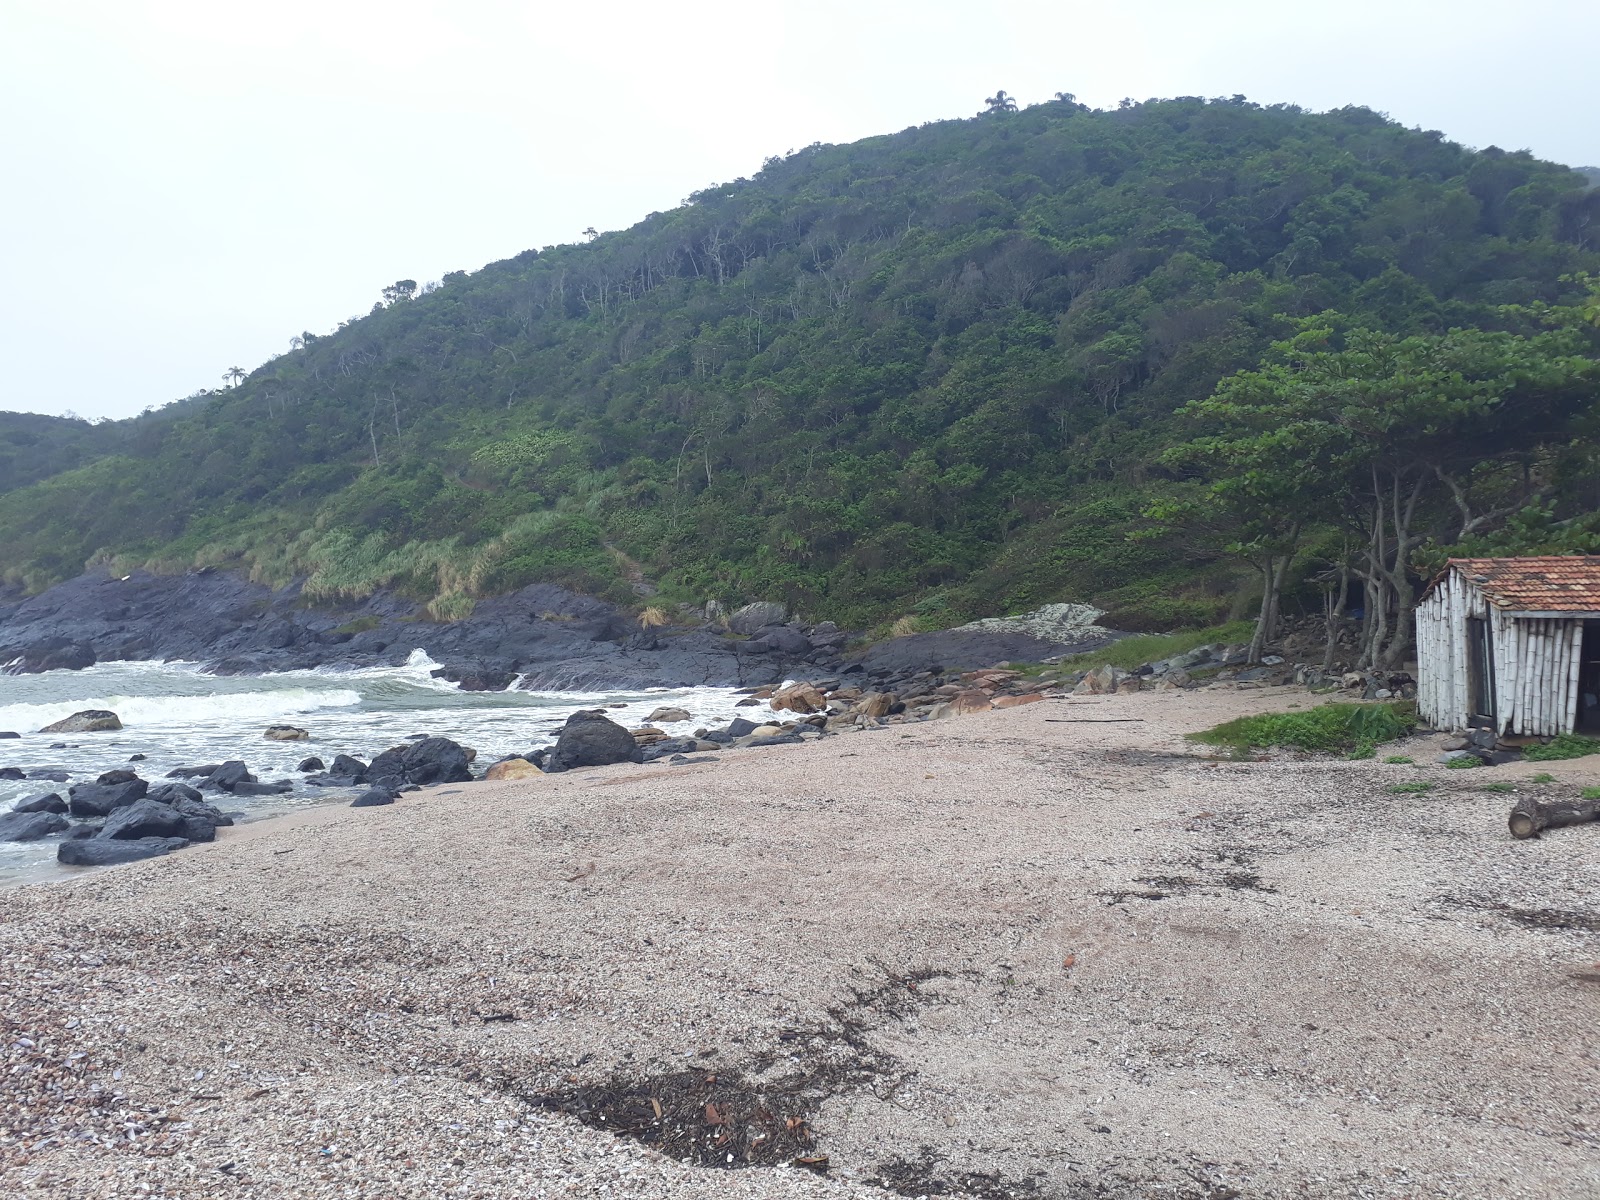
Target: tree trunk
{"points": [[1530, 817], [1334, 613]]}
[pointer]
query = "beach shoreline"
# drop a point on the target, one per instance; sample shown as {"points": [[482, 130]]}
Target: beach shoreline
{"points": [[1047, 951]]}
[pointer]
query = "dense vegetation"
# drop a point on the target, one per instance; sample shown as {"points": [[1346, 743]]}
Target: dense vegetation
{"points": [[937, 373]]}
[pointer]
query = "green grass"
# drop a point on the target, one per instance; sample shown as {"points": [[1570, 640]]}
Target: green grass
{"points": [[1498, 787], [1331, 728], [1591, 793], [1400, 789], [1400, 760], [1543, 777], [360, 625], [1565, 745], [1465, 763], [1141, 648]]}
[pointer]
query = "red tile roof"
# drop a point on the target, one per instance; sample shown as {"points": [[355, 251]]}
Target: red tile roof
{"points": [[1552, 583]]}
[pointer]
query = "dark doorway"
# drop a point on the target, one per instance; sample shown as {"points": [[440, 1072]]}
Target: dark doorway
{"points": [[1589, 679], [1480, 669]]}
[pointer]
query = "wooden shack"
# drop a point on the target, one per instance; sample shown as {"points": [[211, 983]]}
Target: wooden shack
{"points": [[1511, 644]]}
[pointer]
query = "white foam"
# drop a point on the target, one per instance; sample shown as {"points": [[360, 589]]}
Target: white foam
{"points": [[222, 707]]}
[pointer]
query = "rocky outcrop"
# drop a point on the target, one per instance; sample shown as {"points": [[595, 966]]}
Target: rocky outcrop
{"points": [[105, 852], [45, 802], [30, 826], [431, 760], [100, 799]]}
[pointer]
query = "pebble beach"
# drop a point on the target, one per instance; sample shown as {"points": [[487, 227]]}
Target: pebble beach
{"points": [[1048, 951]]}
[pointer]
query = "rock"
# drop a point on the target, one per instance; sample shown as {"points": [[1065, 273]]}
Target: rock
{"points": [[372, 799], [590, 739], [12, 773], [192, 772], [6, 735], [800, 698], [200, 820], [776, 739], [437, 760], [747, 702], [49, 774], [1101, 681], [45, 802], [100, 799], [752, 617], [966, 702], [90, 720], [1015, 701], [56, 654], [669, 715], [171, 793], [308, 765], [344, 764], [30, 826], [143, 818], [135, 758], [762, 731], [874, 704], [103, 852], [119, 776], [250, 787], [739, 727], [513, 768], [782, 639], [286, 733], [227, 777], [1353, 679]]}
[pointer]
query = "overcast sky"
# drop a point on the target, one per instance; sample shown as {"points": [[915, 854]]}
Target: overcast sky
{"points": [[185, 185]]}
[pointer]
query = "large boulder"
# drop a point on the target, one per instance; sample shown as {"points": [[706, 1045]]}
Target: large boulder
{"points": [[784, 639], [373, 798], [56, 654], [46, 802], [285, 733], [143, 818], [103, 852], [668, 715], [431, 760], [227, 777], [90, 720], [753, 617], [589, 739], [800, 697], [100, 799], [30, 826], [513, 768], [347, 766]]}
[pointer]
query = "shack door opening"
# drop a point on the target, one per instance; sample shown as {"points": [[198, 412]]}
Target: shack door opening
{"points": [[1480, 669]]}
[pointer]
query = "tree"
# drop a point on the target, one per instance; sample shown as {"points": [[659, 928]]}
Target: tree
{"points": [[999, 103], [233, 375], [1066, 98], [590, 234], [400, 289]]}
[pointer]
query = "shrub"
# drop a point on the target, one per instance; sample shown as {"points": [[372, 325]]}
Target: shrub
{"points": [[1564, 745], [1543, 777], [653, 617], [1591, 793], [1330, 728], [904, 627]]}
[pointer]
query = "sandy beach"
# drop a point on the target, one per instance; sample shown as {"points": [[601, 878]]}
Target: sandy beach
{"points": [[1052, 951]]}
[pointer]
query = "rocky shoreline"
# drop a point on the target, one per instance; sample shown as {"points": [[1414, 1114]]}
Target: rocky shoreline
{"points": [[542, 638]]}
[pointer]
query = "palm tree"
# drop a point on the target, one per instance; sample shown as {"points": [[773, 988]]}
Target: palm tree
{"points": [[1000, 102], [1066, 98], [234, 375]]}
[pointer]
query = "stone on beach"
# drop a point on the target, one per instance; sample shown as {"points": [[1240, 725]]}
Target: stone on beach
{"points": [[30, 826], [104, 852], [141, 819], [590, 739], [513, 768], [286, 733], [800, 697], [90, 720], [99, 799], [45, 802], [669, 715]]}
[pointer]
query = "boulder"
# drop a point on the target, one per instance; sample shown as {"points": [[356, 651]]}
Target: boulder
{"points": [[436, 760], [372, 799], [344, 764], [784, 639], [90, 720], [143, 818], [119, 776], [800, 698], [45, 802], [192, 772], [285, 733], [307, 765], [49, 773], [227, 777], [670, 715], [200, 820], [753, 617], [100, 799], [1101, 681], [12, 773], [251, 787], [7, 735], [974, 700], [590, 739], [765, 731], [1015, 701], [103, 852], [874, 704], [738, 728], [30, 826], [784, 738], [513, 768]]}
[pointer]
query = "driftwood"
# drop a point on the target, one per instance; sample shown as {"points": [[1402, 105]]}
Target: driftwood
{"points": [[1531, 816]]}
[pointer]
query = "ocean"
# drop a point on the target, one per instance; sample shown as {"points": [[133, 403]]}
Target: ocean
{"points": [[176, 715]]}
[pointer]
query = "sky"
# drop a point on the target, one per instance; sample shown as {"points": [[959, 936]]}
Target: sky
{"points": [[185, 185]]}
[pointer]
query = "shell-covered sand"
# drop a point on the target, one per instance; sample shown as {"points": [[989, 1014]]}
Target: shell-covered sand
{"points": [[1045, 952]]}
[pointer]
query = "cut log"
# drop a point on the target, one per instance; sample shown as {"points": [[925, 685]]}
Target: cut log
{"points": [[1530, 817]]}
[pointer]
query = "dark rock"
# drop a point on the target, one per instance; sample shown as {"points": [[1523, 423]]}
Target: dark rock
{"points": [[99, 799], [477, 677], [30, 826], [344, 764], [739, 727], [12, 773], [227, 777], [171, 793], [372, 799], [46, 802], [591, 739], [6, 735], [85, 829], [748, 702], [103, 852], [200, 820], [119, 776], [192, 772], [55, 654], [721, 736], [436, 760], [90, 720], [753, 617], [777, 739], [783, 639], [143, 818], [49, 774], [135, 758], [310, 764], [252, 788]]}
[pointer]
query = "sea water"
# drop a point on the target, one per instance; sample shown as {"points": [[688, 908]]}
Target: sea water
{"points": [[176, 715]]}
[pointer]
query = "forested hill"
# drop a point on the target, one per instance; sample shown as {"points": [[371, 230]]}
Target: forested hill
{"points": [[929, 373]]}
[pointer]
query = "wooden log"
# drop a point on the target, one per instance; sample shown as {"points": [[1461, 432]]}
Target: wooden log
{"points": [[1530, 817]]}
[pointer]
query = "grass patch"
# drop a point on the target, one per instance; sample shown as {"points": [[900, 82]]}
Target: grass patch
{"points": [[1498, 787], [1565, 745], [1591, 793], [360, 625], [1402, 789], [1141, 648], [1543, 777], [1400, 760], [1465, 763], [1331, 729]]}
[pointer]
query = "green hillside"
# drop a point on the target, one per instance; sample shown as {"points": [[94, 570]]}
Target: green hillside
{"points": [[931, 373]]}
